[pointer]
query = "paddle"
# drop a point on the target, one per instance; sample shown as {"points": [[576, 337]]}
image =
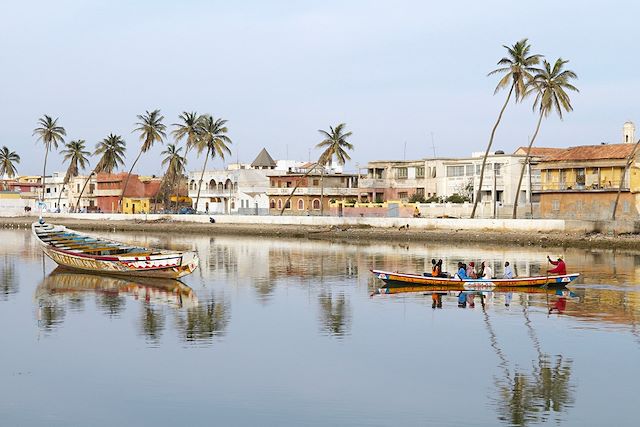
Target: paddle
{"points": [[546, 283]]}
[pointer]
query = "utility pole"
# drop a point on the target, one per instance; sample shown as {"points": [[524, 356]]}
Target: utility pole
{"points": [[405, 151], [433, 145]]}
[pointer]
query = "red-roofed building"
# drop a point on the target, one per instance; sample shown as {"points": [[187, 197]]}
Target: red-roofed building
{"points": [[137, 199]]}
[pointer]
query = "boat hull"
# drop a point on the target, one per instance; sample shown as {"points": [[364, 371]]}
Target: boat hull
{"points": [[395, 279]]}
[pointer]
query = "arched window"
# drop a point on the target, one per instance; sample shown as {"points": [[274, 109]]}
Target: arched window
{"points": [[316, 204], [233, 205], [220, 187], [227, 184], [192, 185], [272, 204], [279, 204], [300, 204], [235, 186], [288, 205], [212, 184]]}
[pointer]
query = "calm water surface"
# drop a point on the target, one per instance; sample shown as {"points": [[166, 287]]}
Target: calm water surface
{"points": [[286, 332]]}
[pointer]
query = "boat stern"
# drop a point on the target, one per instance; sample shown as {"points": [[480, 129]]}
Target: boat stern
{"points": [[190, 262]]}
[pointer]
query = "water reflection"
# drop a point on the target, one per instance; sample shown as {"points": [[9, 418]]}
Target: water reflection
{"points": [[201, 323], [8, 277], [335, 314]]}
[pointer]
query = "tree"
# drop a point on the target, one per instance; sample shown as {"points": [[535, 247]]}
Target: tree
{"points": [[8, 161], [517, 68], [112, 151], [51, 135], [550, 86], [336, 145], [213, 138], [189, 128], [75, 154], [175, 164], [151, 130]]}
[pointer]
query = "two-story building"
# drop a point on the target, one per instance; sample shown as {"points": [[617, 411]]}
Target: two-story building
{"points": [[139, 197]]}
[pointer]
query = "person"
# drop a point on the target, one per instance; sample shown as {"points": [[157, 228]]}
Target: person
{"points": [[436, 300], [471, 270], [439, 264], [508, 273], [462, 300], [416, 212], [436, 269], [561, 267], [462, 272], [433, 267], [487, 272]]}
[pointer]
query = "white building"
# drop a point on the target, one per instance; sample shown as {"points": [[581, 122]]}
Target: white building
{"points": [[70, 193]]}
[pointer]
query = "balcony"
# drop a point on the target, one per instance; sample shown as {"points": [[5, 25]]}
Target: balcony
{"points": [[314, 191], [582, 186]]}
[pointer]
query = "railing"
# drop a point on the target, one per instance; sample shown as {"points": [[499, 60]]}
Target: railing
{"points": [[313, 191], [584, 186]]}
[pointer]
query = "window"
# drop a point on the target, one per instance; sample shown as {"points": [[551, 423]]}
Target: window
{"points": [[453, 171], [496, 168], [316, 182], [626, 207], [478, 167], [279, 204], [316, 204], [288, 204], [420, 172], [555, 205], [403, 195], [580, 176], [420, 192], [401, 173], [548, 176], [48, 190], [272, 204], [469, 171], [92, 187], [300, 205]]}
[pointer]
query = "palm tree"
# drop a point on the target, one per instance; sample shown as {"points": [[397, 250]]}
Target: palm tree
{"points": [[188, 128], [550, 86], [334, 143], [630, 159], [112, 151], [151, 130], [213, 138], [8, 161], [517, 68], [75, 154], [175, 164], [51, 135]]}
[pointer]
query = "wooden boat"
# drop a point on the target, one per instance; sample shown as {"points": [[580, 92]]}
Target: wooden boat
{"points": [[403, 288], [71, 249], [404, 279]]}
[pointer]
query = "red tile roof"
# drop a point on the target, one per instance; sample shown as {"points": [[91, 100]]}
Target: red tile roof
{"points": [[593, 152]]}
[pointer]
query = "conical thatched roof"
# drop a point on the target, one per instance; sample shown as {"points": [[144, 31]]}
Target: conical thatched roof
{"points": [[264, 159]]}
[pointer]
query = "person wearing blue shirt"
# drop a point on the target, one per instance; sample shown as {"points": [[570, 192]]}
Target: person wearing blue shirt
{"points": [[462, 271]]}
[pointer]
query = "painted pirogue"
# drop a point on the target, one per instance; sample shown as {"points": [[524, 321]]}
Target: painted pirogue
{"points": [[404, 279], [71, 249]]}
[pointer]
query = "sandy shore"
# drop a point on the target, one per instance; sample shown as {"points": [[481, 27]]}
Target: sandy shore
{"points": [[353, 234]]}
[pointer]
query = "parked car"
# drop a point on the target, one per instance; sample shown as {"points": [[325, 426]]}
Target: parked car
{"points": [[187, 211]]}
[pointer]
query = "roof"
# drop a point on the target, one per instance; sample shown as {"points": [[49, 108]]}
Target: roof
{"points": [[593, 152], [264, 159], [540, 151]]}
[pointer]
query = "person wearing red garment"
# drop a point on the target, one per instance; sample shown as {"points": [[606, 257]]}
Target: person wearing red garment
{"points": [[560, 269]]}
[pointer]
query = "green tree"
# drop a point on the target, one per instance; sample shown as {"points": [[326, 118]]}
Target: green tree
{"points": [[151, 130], [335, 144], [112, 153], [214, 140], [189, 128], [8, 161], [175, 164], [50, 134], [518, 68], [74, 152], [550, 86]]}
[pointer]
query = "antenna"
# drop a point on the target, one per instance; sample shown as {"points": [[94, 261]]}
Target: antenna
{"points": [[405, 151], [287, 145], [433, 145]]}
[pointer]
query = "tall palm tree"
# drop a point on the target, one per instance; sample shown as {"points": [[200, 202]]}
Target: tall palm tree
{"points": [[51, 135], [188, 128], [112, 151], [213, 139], [518, 68], [74, 152], [175, 164], [550, 86], [8, 161], [151, 130], [335, 145]]}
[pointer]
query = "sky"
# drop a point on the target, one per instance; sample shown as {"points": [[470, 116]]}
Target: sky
{"points": [[407, 77]]}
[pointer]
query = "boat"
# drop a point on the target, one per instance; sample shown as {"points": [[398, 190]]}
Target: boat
{"points": [[404, 279], [400, 288], [79, 251]]}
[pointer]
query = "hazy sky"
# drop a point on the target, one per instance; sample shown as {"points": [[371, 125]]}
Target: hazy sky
{"points": [[394, 71]]}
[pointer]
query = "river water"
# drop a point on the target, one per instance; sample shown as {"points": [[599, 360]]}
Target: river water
{"points": [[287, 332]]}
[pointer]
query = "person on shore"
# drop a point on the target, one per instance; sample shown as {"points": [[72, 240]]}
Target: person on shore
{"points": [[471, 270], [560, 269], [508, 273], [487, 272]]}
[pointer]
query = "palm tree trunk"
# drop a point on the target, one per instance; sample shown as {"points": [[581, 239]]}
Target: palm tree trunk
{"points": [[486, 154], [296, 187], [322, 191], [630, 160], [60, 195], [44, 172], [82, 191], [126, 182], [524, 166], [175, 191], [201, 177]]}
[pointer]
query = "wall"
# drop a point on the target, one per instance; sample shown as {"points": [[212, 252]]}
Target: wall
{"points": [[588, 205]]}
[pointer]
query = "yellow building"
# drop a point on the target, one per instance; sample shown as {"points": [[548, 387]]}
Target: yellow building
{"points": [[582, 183], [135, 205]]}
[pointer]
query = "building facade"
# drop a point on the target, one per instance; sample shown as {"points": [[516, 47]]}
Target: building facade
{"points": [[139, 197]]}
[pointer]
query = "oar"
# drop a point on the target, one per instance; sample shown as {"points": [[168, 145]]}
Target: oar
{"points": [[546, 286]]}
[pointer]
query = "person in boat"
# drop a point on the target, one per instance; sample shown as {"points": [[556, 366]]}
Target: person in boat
{"points": [[434, 268], [560, 269], [487, 272], [508, 273], [462, 272], [471, 270]]}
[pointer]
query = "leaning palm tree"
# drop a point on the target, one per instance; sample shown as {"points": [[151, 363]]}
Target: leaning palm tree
{"points": [[517, 67], [51, 135], [175, 164], [151, 130], [75, 154], [112, 151], [550, 86], [630, 159], [188, 128], [334, 143], [8, 161], [214, 140]]}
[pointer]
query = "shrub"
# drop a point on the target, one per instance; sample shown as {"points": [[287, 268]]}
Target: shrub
{"points": [[417, 198], [457, 198]]}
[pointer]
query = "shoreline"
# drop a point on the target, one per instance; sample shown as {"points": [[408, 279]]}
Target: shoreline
{"points": [[352, 234]]}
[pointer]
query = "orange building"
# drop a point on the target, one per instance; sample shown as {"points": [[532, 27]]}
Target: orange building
{"points": [[137, 199]]}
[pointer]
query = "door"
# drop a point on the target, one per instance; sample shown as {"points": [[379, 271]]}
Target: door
{"points": [[394, 210], [133, 208]]}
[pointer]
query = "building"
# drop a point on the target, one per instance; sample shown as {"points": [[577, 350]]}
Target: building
{"points": [[139, 197], [314, 191]]}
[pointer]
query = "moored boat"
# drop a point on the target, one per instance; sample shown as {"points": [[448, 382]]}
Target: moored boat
{"points": [[79, 251], [405, 279]]}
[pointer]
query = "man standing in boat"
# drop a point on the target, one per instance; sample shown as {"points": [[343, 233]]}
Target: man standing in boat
{"points": [[560, 269]]}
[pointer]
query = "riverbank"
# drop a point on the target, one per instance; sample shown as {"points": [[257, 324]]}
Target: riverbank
{"points": [[351, 233]]}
